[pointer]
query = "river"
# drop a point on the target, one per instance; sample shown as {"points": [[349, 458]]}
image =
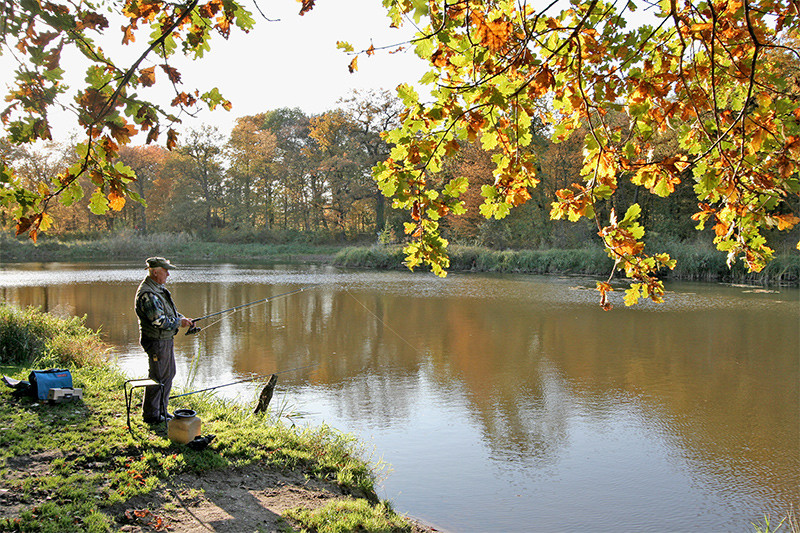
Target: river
{"points": [[500, 402]]}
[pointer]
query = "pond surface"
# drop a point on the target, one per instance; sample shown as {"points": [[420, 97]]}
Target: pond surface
{"points": [[501, 403]]}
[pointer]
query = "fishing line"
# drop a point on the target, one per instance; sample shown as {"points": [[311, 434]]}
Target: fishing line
{"points": [[383, 323], [254, 378], [222, 314]]}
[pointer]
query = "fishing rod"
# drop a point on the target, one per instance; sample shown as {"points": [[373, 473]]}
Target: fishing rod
{"points": [[254, 378], [194, 329]]}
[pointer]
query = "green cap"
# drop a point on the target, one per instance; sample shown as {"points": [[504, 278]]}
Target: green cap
{"points": [[154, 262]]}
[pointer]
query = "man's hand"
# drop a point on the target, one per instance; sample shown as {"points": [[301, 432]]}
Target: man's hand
{"points": [[186, 322]]}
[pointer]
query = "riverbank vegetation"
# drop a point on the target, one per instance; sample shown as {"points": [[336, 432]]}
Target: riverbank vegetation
{"points": [[75, 466], [695, 262], [132, 246]]}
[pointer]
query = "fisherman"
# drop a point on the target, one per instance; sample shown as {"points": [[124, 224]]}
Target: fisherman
{"points": [[159, 321]]}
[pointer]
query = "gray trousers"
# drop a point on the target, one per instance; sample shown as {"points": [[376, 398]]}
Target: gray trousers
{"points": [[161, 362]]}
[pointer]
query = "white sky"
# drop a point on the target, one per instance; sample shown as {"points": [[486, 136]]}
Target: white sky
{"points": [[295, 63]]}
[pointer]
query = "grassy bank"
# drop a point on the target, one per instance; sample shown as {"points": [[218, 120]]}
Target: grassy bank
{"points": [[177, 246], [694, 262], [75, 466]]}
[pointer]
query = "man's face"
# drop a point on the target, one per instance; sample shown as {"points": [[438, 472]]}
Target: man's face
{"points": [[159, 275]]}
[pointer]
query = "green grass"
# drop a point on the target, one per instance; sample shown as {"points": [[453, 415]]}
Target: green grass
{"points": [[67, 464], [350, 515], [787, 524]]}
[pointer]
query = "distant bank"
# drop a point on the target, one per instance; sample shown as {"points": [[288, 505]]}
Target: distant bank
{"points": [[694, 262]]}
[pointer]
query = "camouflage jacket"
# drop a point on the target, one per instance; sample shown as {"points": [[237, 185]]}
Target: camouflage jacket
{"points": [[158, 317]]}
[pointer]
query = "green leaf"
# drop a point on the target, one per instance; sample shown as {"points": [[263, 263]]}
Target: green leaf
{"points": [[456, 187], [407, 94], [98, 204], [489, 140], [631, 215], [344, 45], [632, 295], [71, 194]]}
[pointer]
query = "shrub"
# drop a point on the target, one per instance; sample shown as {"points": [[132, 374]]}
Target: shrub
{"points": [[29, 335]]}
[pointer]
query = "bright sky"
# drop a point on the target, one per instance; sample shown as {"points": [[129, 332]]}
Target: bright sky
{"points": [[294, 62]]}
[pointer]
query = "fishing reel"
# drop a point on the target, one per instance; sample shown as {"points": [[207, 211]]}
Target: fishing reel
{"points": [[193, 329]]}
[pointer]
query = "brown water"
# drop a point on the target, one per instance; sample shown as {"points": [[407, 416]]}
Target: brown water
{"points": [[502, 403]]}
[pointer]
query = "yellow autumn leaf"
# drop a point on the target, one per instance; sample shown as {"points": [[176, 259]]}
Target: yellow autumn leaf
{"points": [[45, 222], [116, 201], [786, 221]]}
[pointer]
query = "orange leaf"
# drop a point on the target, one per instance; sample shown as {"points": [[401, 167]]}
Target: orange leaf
{"points": [[148, 76], [23, 224], [116, 201], [122, 134], [438, 58], [493, 35], [308, 5], [172, 73], [127, 34], [786, 221], [415, 210], [172, 139], [542, 83], [353, 66]]}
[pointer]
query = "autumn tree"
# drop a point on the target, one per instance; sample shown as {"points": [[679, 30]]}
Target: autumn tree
{"points": [[252, 151], [712, 72], [340, 179], [286, 196], [373, 113], [196, 169]]}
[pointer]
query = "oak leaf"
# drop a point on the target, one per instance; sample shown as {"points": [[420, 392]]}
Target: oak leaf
{"points": [[122, 134], [308, 5], [116, 201], [147, 76], [172, 139], [172, 73], [493, 35]]}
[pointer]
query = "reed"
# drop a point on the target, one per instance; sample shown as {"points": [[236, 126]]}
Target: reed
{"points": [[694, 262]]}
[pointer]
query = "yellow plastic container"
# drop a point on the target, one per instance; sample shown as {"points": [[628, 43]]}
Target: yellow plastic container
{"points": [[184, 427]]}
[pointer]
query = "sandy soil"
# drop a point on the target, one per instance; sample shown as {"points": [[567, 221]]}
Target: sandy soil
{"points": [[250, 498]]}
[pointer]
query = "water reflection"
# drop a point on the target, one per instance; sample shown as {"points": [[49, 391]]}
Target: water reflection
{"points": [[500, 401]]}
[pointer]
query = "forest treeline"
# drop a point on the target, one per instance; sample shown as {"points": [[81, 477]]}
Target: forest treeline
{"points": [[283, 175]]}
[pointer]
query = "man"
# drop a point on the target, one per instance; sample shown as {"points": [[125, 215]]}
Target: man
{"points": [[159, 321]]}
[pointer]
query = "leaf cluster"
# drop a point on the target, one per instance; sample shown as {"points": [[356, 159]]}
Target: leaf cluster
{"points": [[720, 76]]}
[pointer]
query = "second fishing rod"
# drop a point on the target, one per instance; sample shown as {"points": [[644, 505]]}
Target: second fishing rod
{"points": [[195, 329]]}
